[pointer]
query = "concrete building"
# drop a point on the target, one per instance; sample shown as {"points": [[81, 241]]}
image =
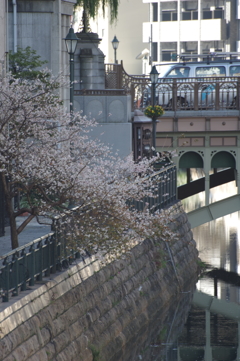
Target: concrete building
{"points": [[192, 27], [3, 36], [42, 25]]}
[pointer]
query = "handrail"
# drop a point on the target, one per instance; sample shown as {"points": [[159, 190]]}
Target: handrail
{"points": [[174, 94], [48, 254], [166, 192]]}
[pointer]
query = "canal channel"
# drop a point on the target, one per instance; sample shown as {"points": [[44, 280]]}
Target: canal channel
{"points": [[203, 324]]}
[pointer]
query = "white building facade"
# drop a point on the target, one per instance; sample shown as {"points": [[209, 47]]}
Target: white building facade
{"points": [[191, 27]]}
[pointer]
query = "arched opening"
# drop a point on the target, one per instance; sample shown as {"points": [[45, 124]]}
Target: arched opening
{"points": [[223, 160], [190, 160]]}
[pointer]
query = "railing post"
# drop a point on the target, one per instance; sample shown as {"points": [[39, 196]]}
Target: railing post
{"points": [[174, 95], [32, 265], [24, 264], [217, 96], [196, 95], [40, 255], [48, 252], [238, 94], [16, 272], [53, 245], [132, 96], [5, 278]]}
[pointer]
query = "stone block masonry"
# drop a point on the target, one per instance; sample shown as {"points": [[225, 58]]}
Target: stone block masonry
{"points": [[91, 312]]}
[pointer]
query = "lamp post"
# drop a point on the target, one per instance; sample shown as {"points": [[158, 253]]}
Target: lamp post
{"points": [[154, 79], [115, 44], [71, 44]]}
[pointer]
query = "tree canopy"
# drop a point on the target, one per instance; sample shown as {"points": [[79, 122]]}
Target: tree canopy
{"points": [[91, 7], [48, 158], [26, 64]]}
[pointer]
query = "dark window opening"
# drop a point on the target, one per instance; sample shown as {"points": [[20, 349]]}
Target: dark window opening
{"points": [[195, 15], [186, 15], [218, 14], [166, 16], [154, 51], [155, 11], [207, 14], [174, 16]]}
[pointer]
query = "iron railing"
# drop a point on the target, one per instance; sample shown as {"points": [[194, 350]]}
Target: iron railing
{"points": [[209, 93], [30, 263], [165, 189], [48, 254]]}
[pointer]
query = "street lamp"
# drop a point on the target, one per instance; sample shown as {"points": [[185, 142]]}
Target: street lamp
{"points": [[154, 79], [115, 44], [71, 44]]}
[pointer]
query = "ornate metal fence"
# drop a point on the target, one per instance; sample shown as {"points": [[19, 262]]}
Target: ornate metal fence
{"points": [[215, 93]]}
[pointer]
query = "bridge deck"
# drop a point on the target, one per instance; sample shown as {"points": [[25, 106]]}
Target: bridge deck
{"points": [[214, 210]]}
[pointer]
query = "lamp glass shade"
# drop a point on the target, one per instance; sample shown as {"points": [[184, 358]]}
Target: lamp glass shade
{"points": [[71, 41], [115, 43], [154, 75]]}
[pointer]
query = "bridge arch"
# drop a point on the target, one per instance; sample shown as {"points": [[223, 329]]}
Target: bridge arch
{"points": [[191, 160], [223, 159]]}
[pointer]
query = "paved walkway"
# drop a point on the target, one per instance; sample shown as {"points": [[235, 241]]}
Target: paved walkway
{"points": [[33, 231]]}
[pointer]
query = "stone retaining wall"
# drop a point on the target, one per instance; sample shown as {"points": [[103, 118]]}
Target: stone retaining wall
{"points": [[91, 313]]}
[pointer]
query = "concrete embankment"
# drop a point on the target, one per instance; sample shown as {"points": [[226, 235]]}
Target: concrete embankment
{"points": [[91, 312]]}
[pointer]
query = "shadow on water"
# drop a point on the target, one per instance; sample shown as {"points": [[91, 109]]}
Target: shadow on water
{"points": [[221, 274]]}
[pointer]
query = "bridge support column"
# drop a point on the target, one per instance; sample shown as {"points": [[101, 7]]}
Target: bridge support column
{"points": [[207, 185], [238, 180]]}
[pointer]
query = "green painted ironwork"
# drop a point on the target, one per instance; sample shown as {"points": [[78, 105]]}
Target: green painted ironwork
{"points": [[48, 254]]}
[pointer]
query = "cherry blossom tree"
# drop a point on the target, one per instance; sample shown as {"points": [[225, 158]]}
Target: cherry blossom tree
{"points": [[50, 160]]}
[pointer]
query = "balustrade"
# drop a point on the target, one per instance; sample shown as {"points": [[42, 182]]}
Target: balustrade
{"points": [[203, 93]]}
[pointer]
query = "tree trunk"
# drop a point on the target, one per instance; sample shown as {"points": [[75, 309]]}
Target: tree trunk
{"points": [[10, 212]]}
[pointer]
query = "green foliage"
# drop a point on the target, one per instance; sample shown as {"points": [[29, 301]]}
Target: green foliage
{"points": [[162, 335], [25, 64], [90, 10], [154, 111], [95, 352]]}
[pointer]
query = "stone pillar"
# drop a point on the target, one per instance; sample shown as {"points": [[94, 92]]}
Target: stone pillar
{"points": [[207, 167], [89, 63]]}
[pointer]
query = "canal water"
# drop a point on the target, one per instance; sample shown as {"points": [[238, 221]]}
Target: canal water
{"points": [[204, 323]]}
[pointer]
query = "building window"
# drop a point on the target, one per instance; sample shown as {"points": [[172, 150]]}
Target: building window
{"points": [[218, 14], [186, 15], [169, 55], [166, 16], [169, 16], [207, 14], [190, 15], [195, 15], [155, 11], [154, 52]]}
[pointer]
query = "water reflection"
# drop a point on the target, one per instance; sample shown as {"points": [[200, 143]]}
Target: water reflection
{"points": [[212, 330], [200, 326]]}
